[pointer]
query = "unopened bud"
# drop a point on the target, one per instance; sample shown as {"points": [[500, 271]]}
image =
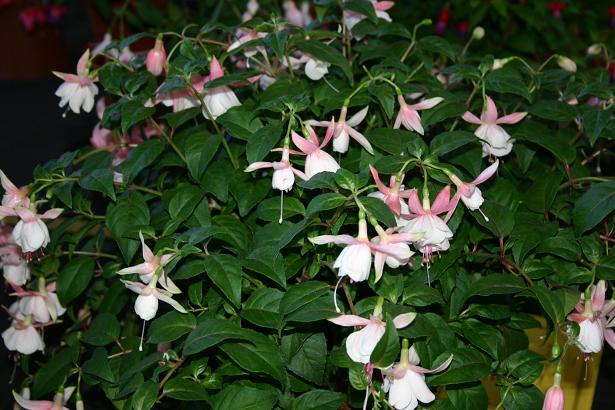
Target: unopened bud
{"points": [[566, 64], [478, 33], [499, 63], [156, 58], [594, 50]]}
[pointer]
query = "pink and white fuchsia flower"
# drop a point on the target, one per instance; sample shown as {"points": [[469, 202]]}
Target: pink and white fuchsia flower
{"points": [[424, 219], [344, 130], [59, 399], [22, 336], [351, 18], [294, 15], [408, 114], [406, 380], [591, 315], [30, 233], [355, 260], [391, 195], [44, 305], [146, 304], [317, 160], [78, 91], [218, 100], [152, 265], [13, 197], [494, 139], [361, 344], [392, 239], [469, 193]]}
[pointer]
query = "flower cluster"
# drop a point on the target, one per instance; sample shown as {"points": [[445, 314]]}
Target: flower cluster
{"points": [[35, 308]]}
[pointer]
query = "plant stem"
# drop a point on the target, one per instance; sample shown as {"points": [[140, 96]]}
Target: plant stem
{"points": [[168, 138], [86, 253], [584, 179], [145, 189], [167, 376], [349, 299]]}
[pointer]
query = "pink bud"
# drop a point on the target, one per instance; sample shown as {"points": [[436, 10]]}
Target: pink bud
{"points": [[554, 399], [156, 58]]}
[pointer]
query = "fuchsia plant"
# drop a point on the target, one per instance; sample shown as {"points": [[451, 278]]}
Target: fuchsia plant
{"points": [[206, 150]]}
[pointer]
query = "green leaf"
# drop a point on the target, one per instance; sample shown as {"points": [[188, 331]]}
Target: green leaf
{"points": [[363, 7], [325, 53], [145, 396], [306, 355], [262, 308], [248, 194], [563, 245], [506, 80], [521, 398], [171, 326], [468, 397], [385, 97], [485, 337], [133, 112], [140, 158], [185, 390], [377, 208], [553, 110], [230, 230], [276, 40], [449, 141], [104, 329], [261, 356], [98, 365], [495, 284], [298, 296], [318, 400], [421, 295], [240, 122], [556, 142], [225, 272], [542, 192], [605, 269], [468, 365], [594, 122], [74, 278], [199, 150], [324, 202], [52, 374], [269, 262], [390, 140], [211, 333], [243, 397], [262, 141], [387, 349], [438, 45], [593, 206], [124, 221], [99, 180], [269, 209], [552, 303], [525, 365], [501, 219]]}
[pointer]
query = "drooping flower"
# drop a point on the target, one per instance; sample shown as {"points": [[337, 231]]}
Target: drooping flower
{"points": [[391, 195], [16, 273], [566, 64], [408, 114], [152, 264], [146, 304], [392, 239], [156, 58], [125, 56], [424, 218], [59, 399], [591, 315], [344, 130], [181, 99], [361, 344], [30, 233], [218, 100], [316, 69], [78, 91], [43, 305], [13, 197], [21, 336], [283, 177], [355, 259], [317, 160], [554, 398], [406, 380], [469, 193], [494, 139], [102, 138], [351, 18]]}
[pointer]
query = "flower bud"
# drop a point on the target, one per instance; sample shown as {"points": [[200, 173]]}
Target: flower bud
{"points": [[478, 33], [594, 50], [554, 399], [156, 58], [566, 64]]}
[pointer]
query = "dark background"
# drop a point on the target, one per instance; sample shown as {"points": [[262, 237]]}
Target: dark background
{"points": [[33, 129]]}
